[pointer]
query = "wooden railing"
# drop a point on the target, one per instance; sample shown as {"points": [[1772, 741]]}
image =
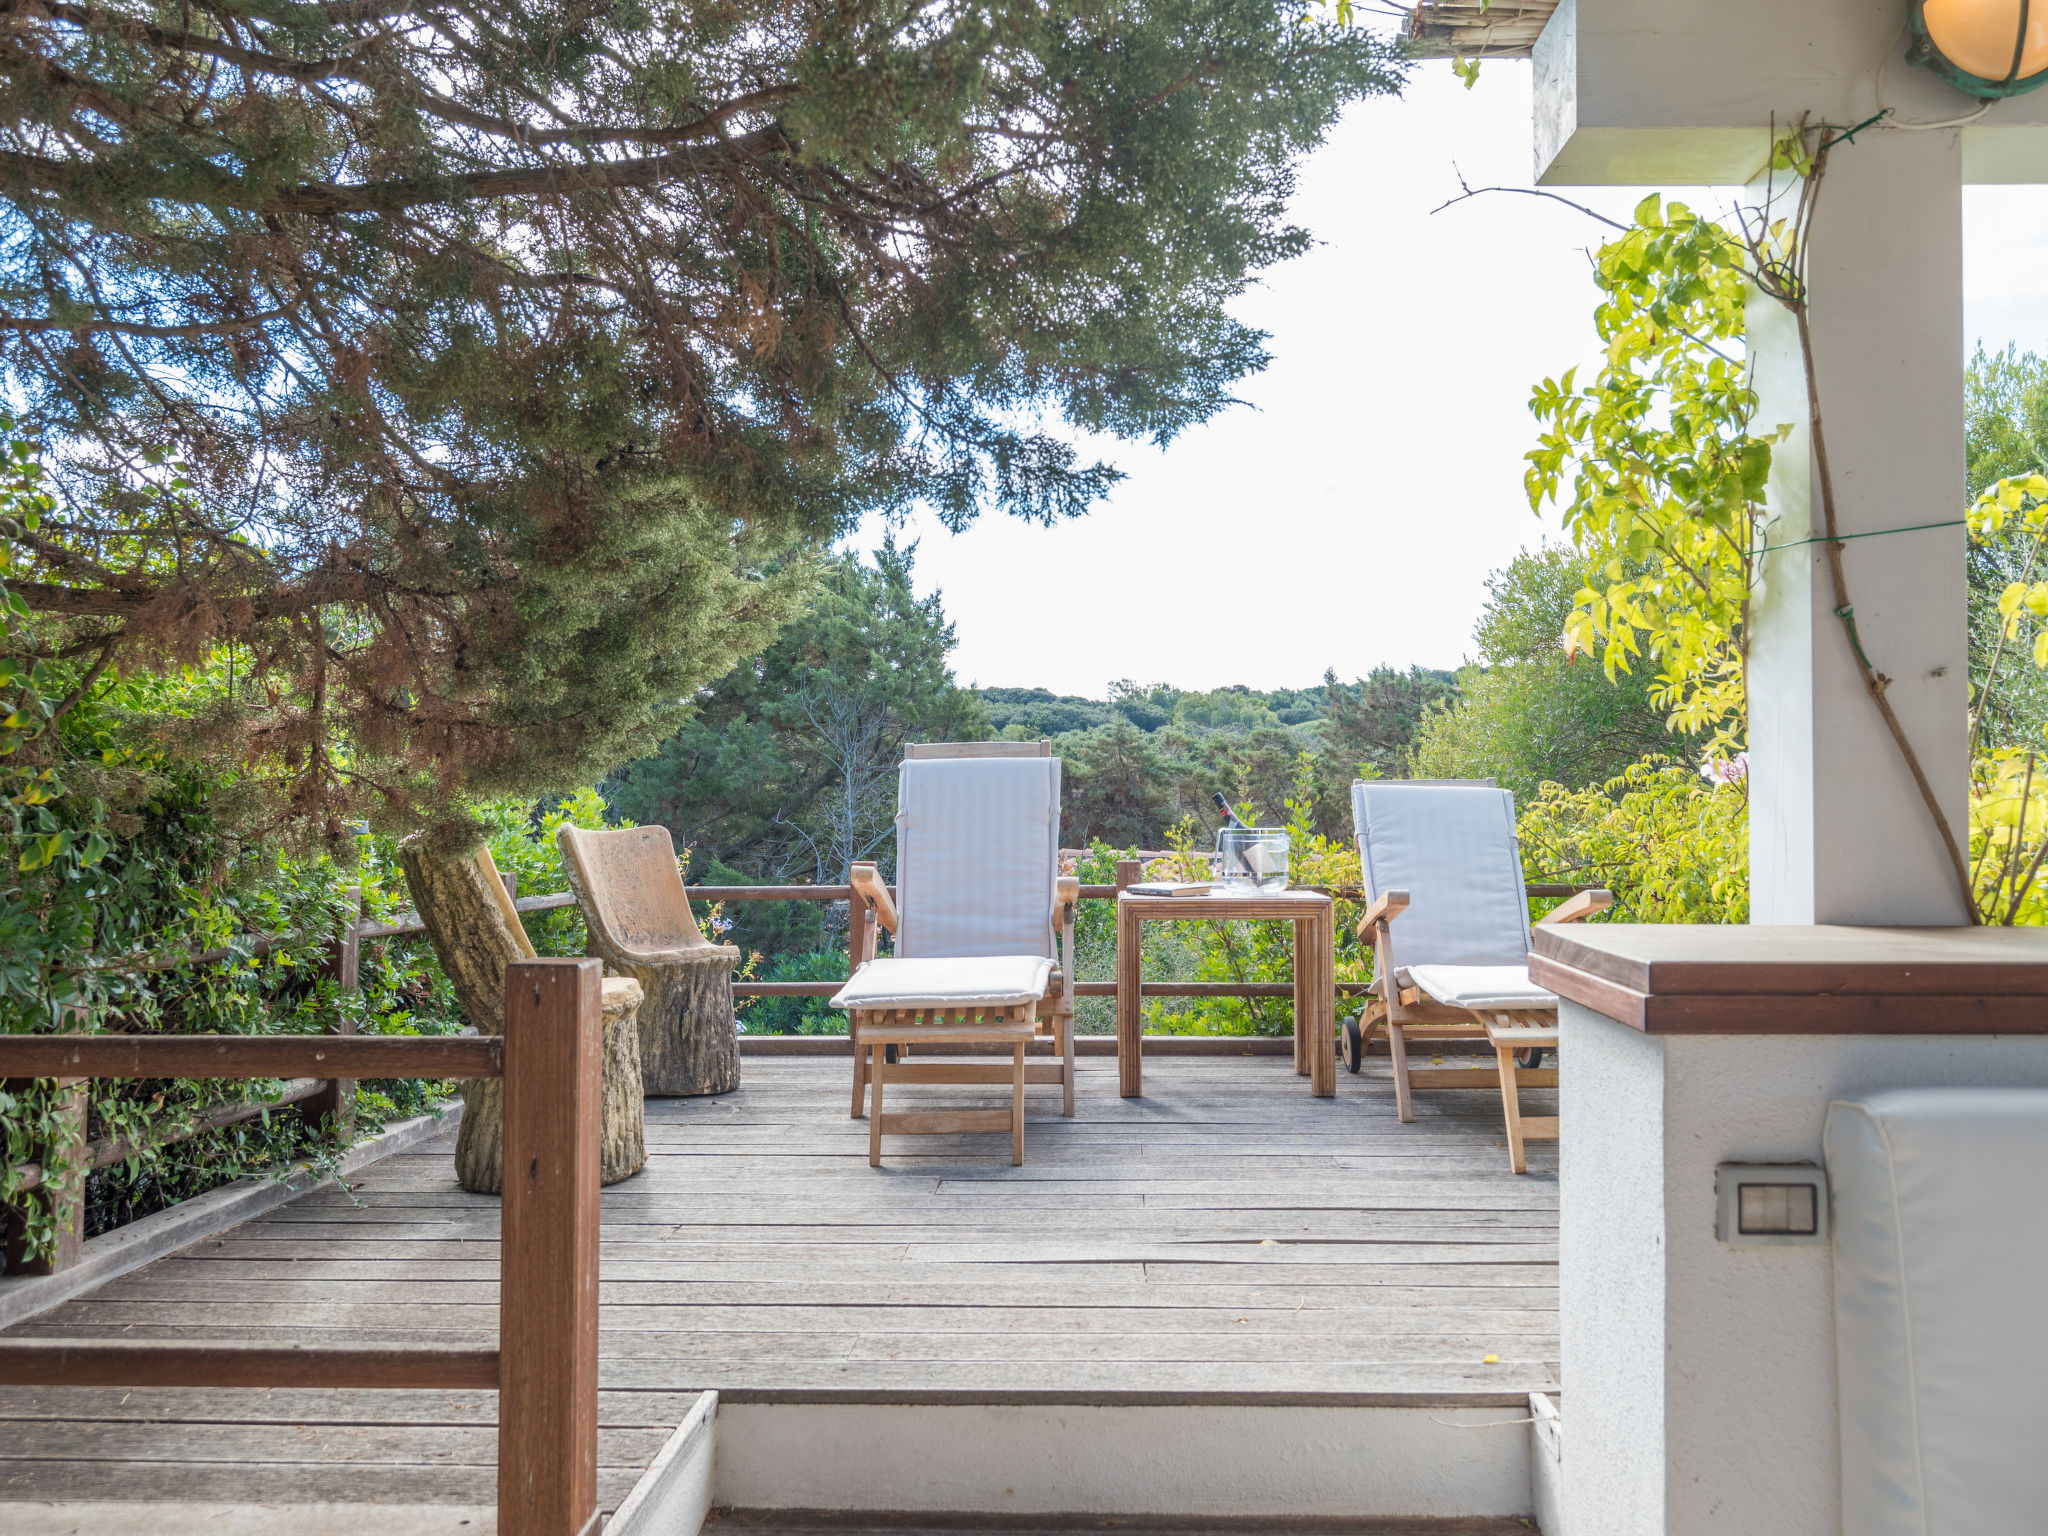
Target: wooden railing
{"points": [[544, 1369], [1129, 872]]}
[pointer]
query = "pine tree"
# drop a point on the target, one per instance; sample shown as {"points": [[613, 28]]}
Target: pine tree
{"points": [[1369, 726], [757, 784], [462, 370]]}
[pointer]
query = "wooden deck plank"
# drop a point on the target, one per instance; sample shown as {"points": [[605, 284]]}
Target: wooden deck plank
{"points": [[157, 1481], [695, 1348], [713, 1298], [294, 1405], [305, 1445], [1226, 1238]]}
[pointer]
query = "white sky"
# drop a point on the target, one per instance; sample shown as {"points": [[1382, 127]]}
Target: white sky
{"points": [[1349, 512]]}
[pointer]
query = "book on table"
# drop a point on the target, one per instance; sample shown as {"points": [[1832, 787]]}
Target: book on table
{"points": [[1171, 888]]}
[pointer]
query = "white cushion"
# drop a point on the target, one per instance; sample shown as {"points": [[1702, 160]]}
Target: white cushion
{"points": [[1481, 986], [989, 981], [1452, 848], [1940, 1202], [977, 855]]}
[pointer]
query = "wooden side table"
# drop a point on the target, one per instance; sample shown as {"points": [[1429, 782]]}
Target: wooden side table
{"points": [[1315, 973]]}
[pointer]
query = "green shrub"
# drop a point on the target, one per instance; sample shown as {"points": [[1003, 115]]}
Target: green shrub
{"points": [[1671, 845], [797, 1015]]}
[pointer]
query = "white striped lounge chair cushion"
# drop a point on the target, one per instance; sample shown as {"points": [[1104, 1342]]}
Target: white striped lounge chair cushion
{"points": [[977, 855]]}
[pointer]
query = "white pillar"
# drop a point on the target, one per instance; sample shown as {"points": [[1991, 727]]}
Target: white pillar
{"points": [[1838, 832]]}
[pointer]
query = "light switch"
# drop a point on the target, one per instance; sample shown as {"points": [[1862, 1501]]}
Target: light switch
{"points": [[1766, 1205]]}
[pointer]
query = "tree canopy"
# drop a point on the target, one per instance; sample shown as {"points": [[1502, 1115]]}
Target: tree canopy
{"points": [[1531, 712], [787, 770], [467, 373], [2005, 437]]}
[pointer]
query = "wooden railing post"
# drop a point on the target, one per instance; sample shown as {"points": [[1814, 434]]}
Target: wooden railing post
{"points": [[63, 1196], [1128, 873], [547, 1309], [336, 1099]]}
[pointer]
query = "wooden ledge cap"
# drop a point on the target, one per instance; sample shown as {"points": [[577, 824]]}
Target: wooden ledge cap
{"points": [[1761, 979]]}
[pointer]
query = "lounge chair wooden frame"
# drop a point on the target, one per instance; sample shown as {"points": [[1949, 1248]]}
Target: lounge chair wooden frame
{"points": [[883, 1039], [1406, 1013], [875, 1031]]}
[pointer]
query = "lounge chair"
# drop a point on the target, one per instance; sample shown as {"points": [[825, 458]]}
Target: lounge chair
{"points": [[978, 900], [1449, 918]]}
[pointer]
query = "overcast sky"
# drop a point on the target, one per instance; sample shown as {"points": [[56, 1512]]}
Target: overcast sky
{"points": [[1348, 513]]}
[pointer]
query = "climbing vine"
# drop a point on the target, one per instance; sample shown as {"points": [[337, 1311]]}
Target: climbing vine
{"points": [[1657, 466]]}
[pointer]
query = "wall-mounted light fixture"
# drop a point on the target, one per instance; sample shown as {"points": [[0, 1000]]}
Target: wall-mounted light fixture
{"points": [[1987, 48]]}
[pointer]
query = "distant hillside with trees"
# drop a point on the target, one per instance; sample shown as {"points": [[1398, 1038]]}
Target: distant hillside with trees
{"points": [[787, 769], [1146, 759]]}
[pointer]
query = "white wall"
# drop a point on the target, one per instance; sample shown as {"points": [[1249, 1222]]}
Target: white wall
{"points": [[1135, 1460], [1611, 1280], [1696, 1374]]}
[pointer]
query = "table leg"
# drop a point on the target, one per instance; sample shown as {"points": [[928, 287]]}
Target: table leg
{"points": [[1322, 1006], [1315, 1016], [1130, 1070], [1304, 994]]}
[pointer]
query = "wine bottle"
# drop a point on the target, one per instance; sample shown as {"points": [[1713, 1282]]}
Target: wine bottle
{"points": [[1232, 820]]}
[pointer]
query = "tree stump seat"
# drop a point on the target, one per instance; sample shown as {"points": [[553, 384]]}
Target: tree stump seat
{"points": [[638, 916], [476, 934]]}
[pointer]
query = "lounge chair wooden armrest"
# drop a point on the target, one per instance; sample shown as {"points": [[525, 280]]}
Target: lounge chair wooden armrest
{"points": [[1387, 906], [1066, 896], [1577, 908], [867, 884]]}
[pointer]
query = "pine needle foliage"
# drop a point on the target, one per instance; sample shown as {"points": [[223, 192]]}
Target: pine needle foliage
{"points": [[471, 372]]}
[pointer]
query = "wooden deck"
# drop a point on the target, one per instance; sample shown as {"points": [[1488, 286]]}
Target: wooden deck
{"points": [[1225, 1238]]}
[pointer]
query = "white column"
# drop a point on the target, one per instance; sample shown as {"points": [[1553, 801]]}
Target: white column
{"points": [[1838, 832]]}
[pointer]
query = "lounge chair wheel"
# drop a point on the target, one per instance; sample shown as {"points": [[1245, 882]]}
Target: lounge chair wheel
{"points": [[889, 1054], [1354, 1044], [1532, 1057]]}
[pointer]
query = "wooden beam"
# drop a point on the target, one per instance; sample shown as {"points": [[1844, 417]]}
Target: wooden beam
{"points": [[1130, 1023], [547, 1318], [170, 1363], [424, 1056], [408, 925]]}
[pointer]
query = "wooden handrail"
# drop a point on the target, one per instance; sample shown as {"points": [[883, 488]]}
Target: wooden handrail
{"points": [[246, 1056], [407, 924], [545, 1366], [171, 1363], [114, 1150], [1081, 988]]}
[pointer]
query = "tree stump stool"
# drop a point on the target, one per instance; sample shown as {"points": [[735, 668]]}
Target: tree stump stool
{"points": [[476, 934]]}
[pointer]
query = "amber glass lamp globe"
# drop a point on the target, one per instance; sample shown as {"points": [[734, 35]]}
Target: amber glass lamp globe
{"points": [[1987, 48]]}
